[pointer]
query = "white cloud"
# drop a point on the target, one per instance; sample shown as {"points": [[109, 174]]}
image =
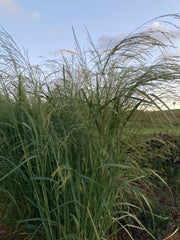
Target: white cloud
{"points": [[162, 31], [157, 26], [155, 30], [33, 15], [56, 32], [106, 42], [11, 8]]}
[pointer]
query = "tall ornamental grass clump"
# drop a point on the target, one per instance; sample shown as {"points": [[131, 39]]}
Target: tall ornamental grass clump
{"points": [[65, 168]]}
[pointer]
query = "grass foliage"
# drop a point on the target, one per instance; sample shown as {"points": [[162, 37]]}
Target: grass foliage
{"points": [[65, 170]]}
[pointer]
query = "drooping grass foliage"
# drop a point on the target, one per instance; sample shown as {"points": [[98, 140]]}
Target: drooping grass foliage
{"points": [[65, 168]]}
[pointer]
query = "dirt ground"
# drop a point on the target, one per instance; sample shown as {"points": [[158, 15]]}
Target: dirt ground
{"points": [[174, 237]]}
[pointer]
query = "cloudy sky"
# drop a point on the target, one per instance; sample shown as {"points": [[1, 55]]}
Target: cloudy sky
{"points": [[43, 26]]}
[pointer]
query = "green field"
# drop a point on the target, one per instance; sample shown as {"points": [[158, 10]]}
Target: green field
{"points": [[149, 122]]}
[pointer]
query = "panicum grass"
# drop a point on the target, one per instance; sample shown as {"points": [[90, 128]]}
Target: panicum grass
{"points": [[66, 170]]}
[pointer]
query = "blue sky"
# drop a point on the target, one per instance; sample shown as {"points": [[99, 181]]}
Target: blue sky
{"points": [[43, 26]]}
